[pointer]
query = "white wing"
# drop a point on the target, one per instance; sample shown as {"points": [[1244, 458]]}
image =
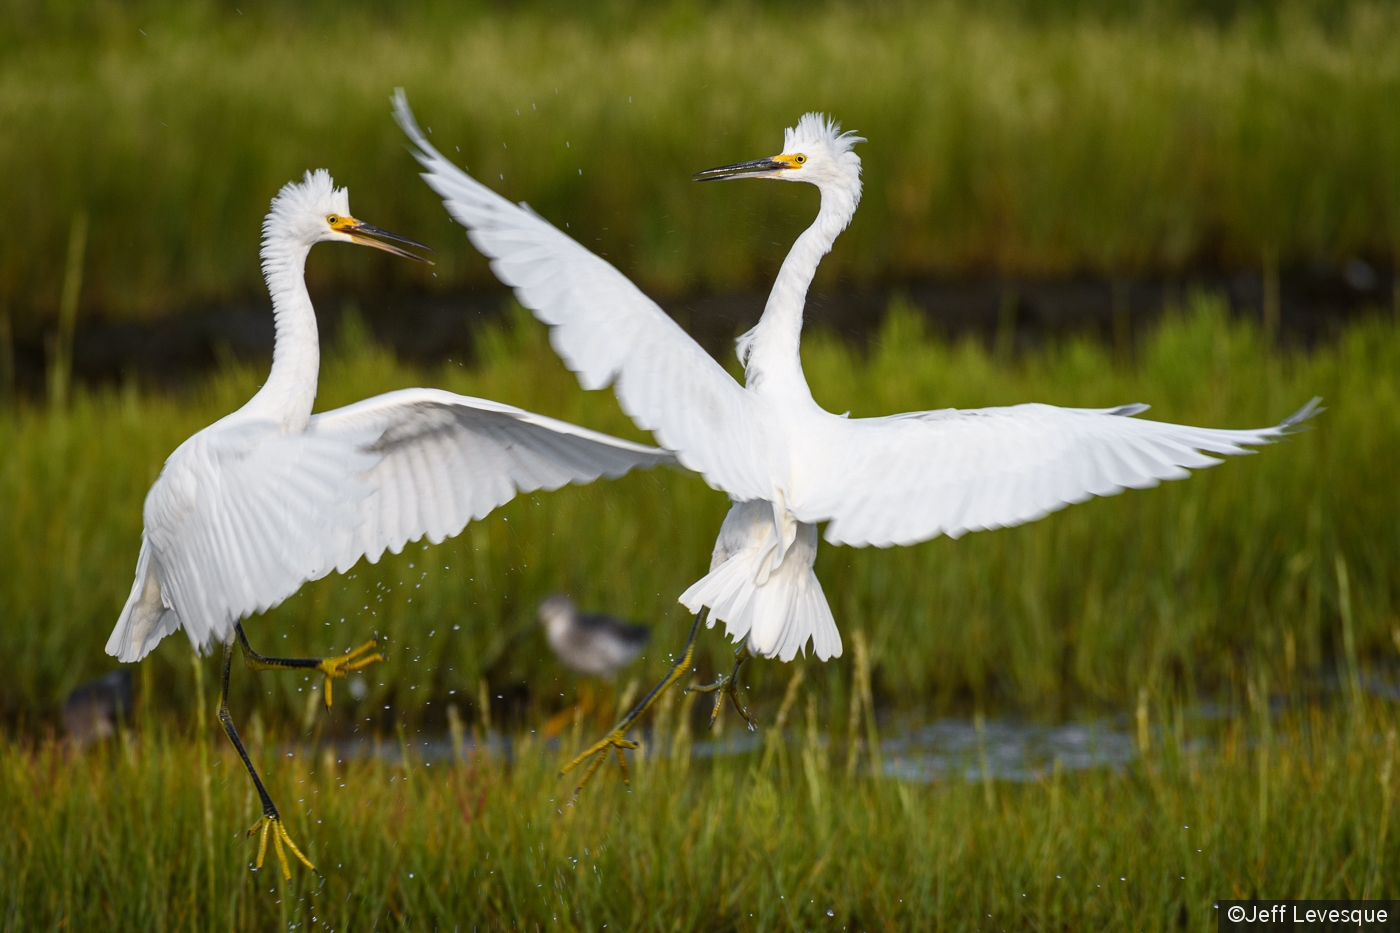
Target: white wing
{"points": [[449, 459], [908, 478], [607, 331], [243, 514]]}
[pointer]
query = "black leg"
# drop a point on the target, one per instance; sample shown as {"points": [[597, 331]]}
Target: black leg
{"points": [[333, 668], [269, 808], [271, 820], [259, 662], [616, 740]]}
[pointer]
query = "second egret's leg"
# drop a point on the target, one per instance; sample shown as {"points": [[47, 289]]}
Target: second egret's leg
{"points": [[336, 667], [616, 740], [271, 821], [728, 685]]}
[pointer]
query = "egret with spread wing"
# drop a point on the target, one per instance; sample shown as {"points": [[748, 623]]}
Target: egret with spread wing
{"points": [[271, 496], [786, 463]]}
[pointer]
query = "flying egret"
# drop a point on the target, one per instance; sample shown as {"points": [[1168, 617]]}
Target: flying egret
{"points": [[786, 463], [271, 496]]}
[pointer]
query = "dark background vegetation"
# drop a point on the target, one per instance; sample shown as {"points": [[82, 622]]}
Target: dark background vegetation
{"points": [[1193, 204], [1012, 141], [1055, 179]]}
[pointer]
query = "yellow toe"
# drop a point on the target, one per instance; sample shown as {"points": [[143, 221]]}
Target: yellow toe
{"points": [[262, 841]]}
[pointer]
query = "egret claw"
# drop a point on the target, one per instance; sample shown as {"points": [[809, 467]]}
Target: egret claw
{"points": [[727, 685], [338, 667], [333, 668], [617, 740], [271, 824]]}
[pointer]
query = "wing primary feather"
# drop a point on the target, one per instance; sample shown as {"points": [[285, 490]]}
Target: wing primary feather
{"points": [[948, 472]]}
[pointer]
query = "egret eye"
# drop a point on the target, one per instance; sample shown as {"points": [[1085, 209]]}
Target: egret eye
{"points": [[799, 158], [332, 219]]}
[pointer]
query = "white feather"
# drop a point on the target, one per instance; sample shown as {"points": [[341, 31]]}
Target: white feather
{"points": [[250, 508], [786, 462]]}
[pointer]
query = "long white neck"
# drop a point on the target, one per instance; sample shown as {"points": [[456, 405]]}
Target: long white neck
{"points": [[771, 351], [290, 390]]}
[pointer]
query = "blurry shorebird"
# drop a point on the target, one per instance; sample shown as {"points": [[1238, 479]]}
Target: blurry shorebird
{"points": [[271, 496], [786, 463], [590, 643], [95, 709]]}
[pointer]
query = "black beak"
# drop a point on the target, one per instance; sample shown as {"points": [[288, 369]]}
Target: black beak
{"points": [[368, 235], [758, 168]]}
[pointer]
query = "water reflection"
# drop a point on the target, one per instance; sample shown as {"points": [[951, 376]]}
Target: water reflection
{"points": [[1007, 749]]}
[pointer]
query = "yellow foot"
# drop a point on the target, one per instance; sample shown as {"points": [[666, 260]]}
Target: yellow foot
{"points": [[723, 687], [615, 740], [338, 667], [272, 823]]}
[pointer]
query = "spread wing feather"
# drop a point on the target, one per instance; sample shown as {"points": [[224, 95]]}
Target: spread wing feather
{"points": [[244, 514], [607, 331], [911, 477], [447, 460]]}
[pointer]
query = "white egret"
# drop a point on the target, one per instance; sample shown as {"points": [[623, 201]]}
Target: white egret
{"points": [[271, 496], [786, 463]]}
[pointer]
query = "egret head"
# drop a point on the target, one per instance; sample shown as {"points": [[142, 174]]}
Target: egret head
{"points": [[314, 210], [814, 151]]}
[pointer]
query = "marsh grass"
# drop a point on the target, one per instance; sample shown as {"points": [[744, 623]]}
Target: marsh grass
{"points": [[999, 142], [146, 832], [1189, 589]]}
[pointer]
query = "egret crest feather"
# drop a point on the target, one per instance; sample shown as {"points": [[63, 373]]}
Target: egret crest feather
{"points": [[817, 129], [303, 203]]}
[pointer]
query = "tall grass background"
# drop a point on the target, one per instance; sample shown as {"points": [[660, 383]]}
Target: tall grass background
{"points": [[148, 832], [1015, 139], [1105, 137], [1189, 589]]}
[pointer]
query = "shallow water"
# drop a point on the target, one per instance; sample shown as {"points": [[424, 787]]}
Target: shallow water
{"points": [[1007, 749]]}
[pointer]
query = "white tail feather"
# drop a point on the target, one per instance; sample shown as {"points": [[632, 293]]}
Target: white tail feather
{"points": [[788, 608], [145, 619]]}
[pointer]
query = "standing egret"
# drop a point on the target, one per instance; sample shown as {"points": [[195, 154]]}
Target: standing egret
{"points": [[786, 463], [271, 496]]}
